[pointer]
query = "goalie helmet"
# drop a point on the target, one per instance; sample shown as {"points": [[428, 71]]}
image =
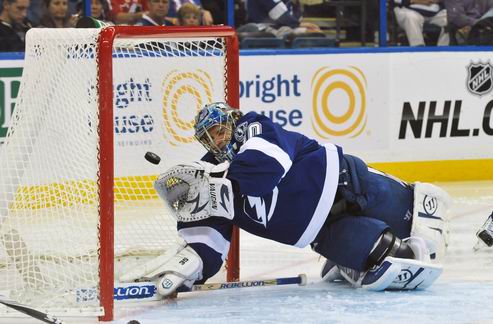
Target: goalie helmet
{"points": [[214, 127]]}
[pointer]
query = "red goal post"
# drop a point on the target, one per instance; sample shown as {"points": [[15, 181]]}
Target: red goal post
{"points": [[77, 206], [105, 73]]}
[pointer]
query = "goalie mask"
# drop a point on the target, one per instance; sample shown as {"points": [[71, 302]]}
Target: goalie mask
{"points": [[214, 127]]}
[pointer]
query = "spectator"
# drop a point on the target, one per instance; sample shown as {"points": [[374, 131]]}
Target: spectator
{"points": [[412, 14], [100, 10], [463, 14], [13, 25], [217, 8], [56, 15], [280, 17], [156, 16], [128, 12], [175, 5], [189, 15], [34, 12]]}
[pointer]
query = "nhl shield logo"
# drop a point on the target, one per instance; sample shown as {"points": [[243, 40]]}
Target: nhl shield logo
{"points": [[479, 78]]}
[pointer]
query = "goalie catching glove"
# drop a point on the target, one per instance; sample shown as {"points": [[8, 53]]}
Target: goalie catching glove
{"points": [[179, 265], [197, 191]]}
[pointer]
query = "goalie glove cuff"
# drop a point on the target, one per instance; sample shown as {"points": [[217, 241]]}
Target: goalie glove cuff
{"points": [[214, 170]]}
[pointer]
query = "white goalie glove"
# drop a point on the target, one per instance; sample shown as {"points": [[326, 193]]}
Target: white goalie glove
{"points": [[179, 265], [197, 191]]}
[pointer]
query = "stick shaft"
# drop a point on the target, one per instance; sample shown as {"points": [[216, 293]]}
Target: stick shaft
{"points": [[148, 291], [47, 318], [250, 283]]}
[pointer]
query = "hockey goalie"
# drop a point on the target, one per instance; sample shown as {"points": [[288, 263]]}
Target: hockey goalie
{"points": [[375, 231]]}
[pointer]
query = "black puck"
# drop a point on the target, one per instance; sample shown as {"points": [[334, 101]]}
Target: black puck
{"points": [[152, 157], [133, 322]]}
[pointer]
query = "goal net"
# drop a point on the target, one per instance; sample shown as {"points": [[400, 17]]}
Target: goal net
{"points": [[77, 205]]}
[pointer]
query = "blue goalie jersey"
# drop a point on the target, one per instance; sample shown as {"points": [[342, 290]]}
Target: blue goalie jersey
{"points": [[285, 185]]}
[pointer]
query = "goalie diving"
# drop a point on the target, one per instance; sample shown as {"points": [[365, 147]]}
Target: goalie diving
{"points": [[375, 231]]}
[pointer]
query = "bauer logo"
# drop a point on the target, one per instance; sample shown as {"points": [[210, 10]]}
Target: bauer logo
{"points": [[479, 78], [10, 80], [184, 94], [134, 292], [339, 102]]}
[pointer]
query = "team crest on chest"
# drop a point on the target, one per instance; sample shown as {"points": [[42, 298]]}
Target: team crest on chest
{"points": [[260, 209]]}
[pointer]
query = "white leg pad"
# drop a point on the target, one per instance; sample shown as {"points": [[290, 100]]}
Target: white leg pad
{"points": [[430, 218], [401, 274], [398, 273]]}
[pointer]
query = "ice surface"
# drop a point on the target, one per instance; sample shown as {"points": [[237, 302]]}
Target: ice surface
{"points": [[463, 294]]}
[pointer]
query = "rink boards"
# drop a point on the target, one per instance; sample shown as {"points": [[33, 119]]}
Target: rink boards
{"points": [[419, 114]]}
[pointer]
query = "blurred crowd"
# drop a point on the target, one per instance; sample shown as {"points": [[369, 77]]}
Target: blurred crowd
{"points": [[450, 21]]}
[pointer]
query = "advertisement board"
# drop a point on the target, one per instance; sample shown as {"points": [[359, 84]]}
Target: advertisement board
{"points": [[415, 114]]}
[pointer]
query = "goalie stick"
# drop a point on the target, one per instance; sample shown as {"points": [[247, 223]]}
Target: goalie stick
{"points": [[148, 290], [44, 317]]}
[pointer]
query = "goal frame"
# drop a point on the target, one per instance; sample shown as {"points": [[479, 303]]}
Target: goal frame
{"points": [[106, 138]]}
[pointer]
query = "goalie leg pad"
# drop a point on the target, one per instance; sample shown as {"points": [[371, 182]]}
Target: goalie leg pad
{"points": [[398, 273], [430, 219], [401, 274]]}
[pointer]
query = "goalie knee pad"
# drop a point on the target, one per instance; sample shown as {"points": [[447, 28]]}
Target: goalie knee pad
{"points": [[388, 245], [330, 271]]}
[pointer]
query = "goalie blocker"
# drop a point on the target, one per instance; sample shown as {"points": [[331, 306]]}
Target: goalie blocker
{"points": [[179, 265]]}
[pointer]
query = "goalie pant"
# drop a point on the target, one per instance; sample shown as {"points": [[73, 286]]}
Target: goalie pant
{"points": [[290, 189]]}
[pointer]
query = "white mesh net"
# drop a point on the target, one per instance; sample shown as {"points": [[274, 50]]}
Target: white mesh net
{"points": [[49, 176]]}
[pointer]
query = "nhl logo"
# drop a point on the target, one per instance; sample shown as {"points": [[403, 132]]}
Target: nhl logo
{"points": [[479, 78]]}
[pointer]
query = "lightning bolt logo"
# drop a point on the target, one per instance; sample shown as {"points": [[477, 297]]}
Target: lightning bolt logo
{"points": [[262, 213]]}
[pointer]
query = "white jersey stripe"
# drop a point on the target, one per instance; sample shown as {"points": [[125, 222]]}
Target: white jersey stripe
{"points": [[207, 236], [272, 150], [326, 198]]}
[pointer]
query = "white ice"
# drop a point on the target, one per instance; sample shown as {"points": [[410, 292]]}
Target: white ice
{"points": [[463, 294]]}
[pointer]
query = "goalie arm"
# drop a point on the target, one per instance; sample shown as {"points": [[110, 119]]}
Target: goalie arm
{"points": [[210, 239]]}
